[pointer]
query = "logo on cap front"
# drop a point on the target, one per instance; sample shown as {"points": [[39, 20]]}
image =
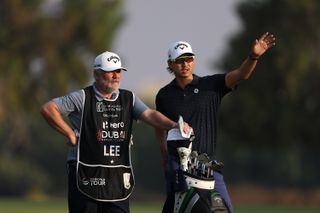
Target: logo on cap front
{"points": [[181, 46], [113, 58]]}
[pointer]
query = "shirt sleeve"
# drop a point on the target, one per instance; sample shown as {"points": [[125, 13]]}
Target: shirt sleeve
{"points": [[138, 107], [73, 102], [218, 82]]}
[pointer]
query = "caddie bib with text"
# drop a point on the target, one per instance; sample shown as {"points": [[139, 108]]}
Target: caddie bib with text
{"points": [[104, 170]]}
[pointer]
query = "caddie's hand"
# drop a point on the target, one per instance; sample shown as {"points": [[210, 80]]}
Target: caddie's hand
{"points": [[72, 139], [261, 45]]}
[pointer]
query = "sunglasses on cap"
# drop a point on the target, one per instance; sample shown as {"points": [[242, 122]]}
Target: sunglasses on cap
{"points": [[183, 59]]}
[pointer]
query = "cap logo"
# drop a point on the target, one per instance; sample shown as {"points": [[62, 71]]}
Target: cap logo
{"points": [[115, 59], [181, 46]]}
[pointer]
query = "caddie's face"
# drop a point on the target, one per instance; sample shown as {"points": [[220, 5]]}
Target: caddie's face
{"points": [[107, 82], [182, 67]]}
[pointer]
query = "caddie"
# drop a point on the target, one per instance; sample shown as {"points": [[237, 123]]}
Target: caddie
{"points": [[100, 173]]}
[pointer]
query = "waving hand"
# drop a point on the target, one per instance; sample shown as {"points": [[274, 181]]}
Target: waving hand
{"points": [[261, 45]]}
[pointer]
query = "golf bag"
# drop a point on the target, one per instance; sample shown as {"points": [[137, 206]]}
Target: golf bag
{"points": [[192, 176]]}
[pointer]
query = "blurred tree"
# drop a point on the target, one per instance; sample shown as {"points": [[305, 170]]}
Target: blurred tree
{"points": [[269, 127], [47, 48]]}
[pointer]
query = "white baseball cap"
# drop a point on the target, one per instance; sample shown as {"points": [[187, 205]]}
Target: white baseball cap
{"points": [[179, 48], [108, 61]]}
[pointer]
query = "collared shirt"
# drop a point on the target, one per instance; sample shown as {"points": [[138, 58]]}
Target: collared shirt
{"points": [[100, 97], [198, 104], [72, 104]]}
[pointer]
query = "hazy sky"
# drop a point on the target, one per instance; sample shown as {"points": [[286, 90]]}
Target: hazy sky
{"points": [[151, 25]]}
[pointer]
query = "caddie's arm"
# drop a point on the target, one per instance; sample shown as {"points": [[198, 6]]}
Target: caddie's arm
{"points": [[53, 116], [157, 119], [259, 47]]}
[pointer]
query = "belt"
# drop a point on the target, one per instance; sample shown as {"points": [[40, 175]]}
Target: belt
{"points": [[201, 184]]}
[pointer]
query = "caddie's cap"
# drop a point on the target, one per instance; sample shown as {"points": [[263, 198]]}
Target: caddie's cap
{"points": [[108, 61], [179, 48]]}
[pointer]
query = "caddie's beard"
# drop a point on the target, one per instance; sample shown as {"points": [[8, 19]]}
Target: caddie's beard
{"points": [[112, 88], [108, 87]]}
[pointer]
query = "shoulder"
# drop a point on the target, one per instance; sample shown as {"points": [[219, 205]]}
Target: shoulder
{"points": [[127, 93], [166, 89], [165, 95], [128, 96], [213, 78], [216, 81], [74, 96], [70, 102], [162, 93]]}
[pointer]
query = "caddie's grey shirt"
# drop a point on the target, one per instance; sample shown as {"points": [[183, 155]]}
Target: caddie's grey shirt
{"points": [[72, 104]]}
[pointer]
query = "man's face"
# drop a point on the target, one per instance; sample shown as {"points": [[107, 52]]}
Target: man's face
{"points": [[107, 82], [182, 67]]}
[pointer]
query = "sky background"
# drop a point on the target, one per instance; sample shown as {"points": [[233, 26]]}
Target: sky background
{"points": [[151, 25]]}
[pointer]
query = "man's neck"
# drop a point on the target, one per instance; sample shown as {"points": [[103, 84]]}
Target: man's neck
{"points": [[104, 92], [107, 95], [183, 82]]}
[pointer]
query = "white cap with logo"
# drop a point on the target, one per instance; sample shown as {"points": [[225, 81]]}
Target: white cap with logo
{"points": [[108, 61], [179, 48]]}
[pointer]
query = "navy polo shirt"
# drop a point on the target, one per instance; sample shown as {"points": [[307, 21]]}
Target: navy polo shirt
{"points": [[198, 103]]}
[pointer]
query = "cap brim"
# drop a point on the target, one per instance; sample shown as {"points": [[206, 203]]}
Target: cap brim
{"points": [[113, 69], [183, 55]]}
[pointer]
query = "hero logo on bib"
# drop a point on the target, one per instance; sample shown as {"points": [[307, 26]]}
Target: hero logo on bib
{"points": [[111, 131]]}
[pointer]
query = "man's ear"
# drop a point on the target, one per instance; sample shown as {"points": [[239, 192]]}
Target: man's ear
{"points": [[95, 74]]}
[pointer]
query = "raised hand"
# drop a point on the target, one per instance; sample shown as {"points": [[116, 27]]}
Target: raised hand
{"points": [[261, 45]]}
